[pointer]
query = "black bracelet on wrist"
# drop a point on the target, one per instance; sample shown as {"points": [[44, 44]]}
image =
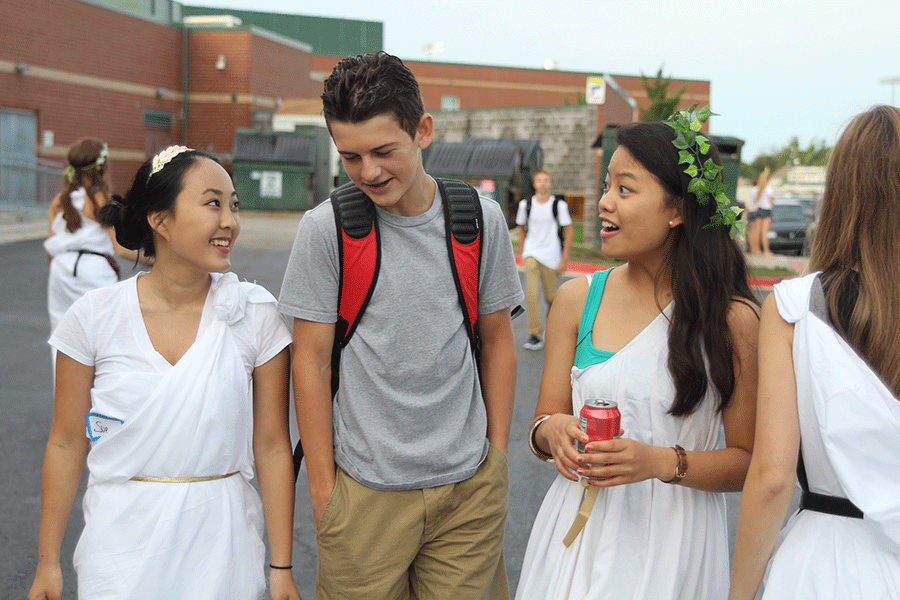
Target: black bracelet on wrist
{"points": [[287, 568]]}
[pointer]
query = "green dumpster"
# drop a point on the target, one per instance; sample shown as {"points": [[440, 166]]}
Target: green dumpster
{"points": [[281, 170]]}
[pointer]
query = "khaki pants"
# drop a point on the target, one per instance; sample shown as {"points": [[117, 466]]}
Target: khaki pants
{"points": [[535, 274], [442, 543]]}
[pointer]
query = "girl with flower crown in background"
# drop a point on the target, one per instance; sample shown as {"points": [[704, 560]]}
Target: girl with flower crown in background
{"points": [[173, 385], [81, 251], [670, 336]]}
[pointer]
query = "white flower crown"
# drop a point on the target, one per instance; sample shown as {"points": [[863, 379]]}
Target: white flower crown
{"points": [[71, 172], [163, 158]]}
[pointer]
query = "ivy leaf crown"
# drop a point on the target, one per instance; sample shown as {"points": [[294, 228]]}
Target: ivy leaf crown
{"points": [[707, 181]]}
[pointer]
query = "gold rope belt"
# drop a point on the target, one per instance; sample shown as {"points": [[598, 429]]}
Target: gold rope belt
{"points": [[587, 505], [182, 479]]}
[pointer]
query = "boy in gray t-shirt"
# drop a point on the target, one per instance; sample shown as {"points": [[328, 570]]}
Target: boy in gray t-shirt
{"points": [[407, 468]]}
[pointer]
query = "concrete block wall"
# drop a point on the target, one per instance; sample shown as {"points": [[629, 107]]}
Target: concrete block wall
{"points": [[566, 134]]}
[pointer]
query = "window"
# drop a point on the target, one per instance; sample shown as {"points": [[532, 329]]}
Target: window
{"points": [[449, 103], [157, 119], [262, 119]]}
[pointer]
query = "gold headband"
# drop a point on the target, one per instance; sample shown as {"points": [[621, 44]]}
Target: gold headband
{"points": [[164, 157]]}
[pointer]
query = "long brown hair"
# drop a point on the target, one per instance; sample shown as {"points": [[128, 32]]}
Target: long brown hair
{"points": [[87, 168], [761, 181], [707, 273], [857, 231]]}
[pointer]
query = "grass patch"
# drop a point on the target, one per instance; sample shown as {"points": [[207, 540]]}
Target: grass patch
{"points": [[781, 272]]}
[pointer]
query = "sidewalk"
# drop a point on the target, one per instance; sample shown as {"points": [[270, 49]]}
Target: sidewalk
{"points": [[258, 228], [18, 226], [795, 263]]}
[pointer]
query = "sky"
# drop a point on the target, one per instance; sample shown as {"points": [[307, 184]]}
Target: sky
{"points": [[778, 70]]}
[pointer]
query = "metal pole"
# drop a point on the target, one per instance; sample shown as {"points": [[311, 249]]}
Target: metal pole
{"points": [[185, 82], [892, 81]]}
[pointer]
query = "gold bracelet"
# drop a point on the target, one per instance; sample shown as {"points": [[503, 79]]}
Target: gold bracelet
{"points": [[681, 467], [533, 445]]}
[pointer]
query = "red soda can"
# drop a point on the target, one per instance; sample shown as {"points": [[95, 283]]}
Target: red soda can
{"points": [[600, 419]]}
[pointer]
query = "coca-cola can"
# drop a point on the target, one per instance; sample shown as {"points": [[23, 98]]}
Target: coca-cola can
{"points": [[600, 420]]}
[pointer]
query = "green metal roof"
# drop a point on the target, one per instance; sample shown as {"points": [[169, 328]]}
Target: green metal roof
{"points": [[330, 37]]}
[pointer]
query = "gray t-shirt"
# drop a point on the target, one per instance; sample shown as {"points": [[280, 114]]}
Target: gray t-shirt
{"points": [[409, 412]]}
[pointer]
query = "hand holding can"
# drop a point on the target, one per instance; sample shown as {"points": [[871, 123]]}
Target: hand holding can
{"points": [[600, 420]]}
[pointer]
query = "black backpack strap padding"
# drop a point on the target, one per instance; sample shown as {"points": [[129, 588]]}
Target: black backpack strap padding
{"points": [[462, 220], [359, 259]]}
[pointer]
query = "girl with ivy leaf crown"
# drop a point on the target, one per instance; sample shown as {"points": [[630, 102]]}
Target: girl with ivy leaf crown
{"points": [[173, 385], [670, 336]]}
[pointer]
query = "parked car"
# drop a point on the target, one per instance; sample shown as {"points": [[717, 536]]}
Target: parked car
{"points": [[788, 230]]}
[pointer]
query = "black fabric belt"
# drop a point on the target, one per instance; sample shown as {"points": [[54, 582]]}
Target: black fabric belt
{"points": [[113, 263], [831, 505]]}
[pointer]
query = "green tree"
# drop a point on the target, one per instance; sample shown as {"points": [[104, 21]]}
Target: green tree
{"points": [[816, 155], [662, 105]]}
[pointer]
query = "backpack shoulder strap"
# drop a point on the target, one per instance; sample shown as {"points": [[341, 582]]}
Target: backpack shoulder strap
{"points": [[560, 233], [359, 256], [463, 221], [527, 209]]}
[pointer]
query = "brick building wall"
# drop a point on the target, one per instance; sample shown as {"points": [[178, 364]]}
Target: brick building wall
{"points": [[94, 72], [88, 76], [217, 103], [482, 86], [281, 71], [258, 72]]}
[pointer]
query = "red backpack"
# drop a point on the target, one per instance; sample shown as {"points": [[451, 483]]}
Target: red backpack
{"points": [[359, 255]]}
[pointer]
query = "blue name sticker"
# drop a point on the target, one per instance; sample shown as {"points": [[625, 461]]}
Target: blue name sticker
{"points": [[98, 425]]}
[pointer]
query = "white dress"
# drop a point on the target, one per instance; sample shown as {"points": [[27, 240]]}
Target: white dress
{"points": [[72, 275], [850, 438], [153, 540], [646, 540]]}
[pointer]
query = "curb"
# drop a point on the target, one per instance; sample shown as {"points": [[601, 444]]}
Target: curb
{"points": [[576, 268]]}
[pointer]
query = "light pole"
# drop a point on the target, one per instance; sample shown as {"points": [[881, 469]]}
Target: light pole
{"points": [[892, 81], [432, 49]]}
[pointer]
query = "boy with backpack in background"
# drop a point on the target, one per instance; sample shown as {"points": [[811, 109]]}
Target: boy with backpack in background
{"points": [[545, 240], [407, 463]]}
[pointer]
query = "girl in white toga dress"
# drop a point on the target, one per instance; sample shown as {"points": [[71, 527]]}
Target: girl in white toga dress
{"points": [[670, 337], [173, 384], [829, 378], [80, 250]]}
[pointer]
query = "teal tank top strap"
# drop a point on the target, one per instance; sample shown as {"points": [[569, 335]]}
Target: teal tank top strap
{"points": [[585, 352]]}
